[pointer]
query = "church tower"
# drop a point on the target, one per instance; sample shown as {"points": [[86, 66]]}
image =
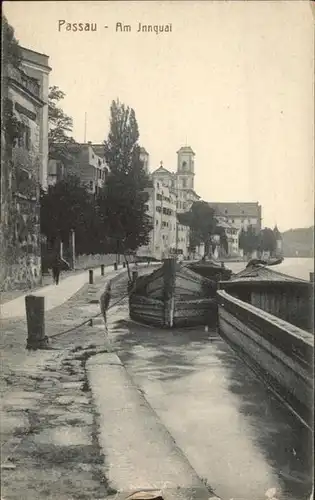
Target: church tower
{"points": [[185, 168]]}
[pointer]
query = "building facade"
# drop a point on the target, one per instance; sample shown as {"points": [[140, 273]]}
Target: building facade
{"points": [[36, 66], [240, 215], [88, 164], [161, 208], [144, 157], [171, 193], [24, 171], [178, 186]]}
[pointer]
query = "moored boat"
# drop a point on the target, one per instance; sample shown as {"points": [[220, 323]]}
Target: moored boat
{"points": [[284, 296], [174, 296], [211, 269], [267, 317]]}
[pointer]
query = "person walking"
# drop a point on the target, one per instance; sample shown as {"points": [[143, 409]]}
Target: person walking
{"points": [[104, 303], [56, 269]]}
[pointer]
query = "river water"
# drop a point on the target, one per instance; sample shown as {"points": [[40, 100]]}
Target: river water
{"points": [[293, 266]]}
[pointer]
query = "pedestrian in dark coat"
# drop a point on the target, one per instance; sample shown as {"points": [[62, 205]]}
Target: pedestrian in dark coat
{"points": [[104, 302], [56, 269]]}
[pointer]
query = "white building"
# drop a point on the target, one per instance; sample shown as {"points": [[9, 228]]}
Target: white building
{"points": [[178, 187], [240, 215], [232, 234], [171, 193], [161, 208]]}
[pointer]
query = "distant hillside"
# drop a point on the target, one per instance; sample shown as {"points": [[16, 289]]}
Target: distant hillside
{"points": [[298, 242]]}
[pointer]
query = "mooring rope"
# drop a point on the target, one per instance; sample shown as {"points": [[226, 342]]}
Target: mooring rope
{"points": [[87, 321]]}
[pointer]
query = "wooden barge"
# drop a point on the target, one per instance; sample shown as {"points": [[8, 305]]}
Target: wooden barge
{"points": [[286, 297], [175, 295], [268, 316]]}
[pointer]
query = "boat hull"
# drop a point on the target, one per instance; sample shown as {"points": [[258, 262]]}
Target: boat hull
{"points": [[174, 296]]}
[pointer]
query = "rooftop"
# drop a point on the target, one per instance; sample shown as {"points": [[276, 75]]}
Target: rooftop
{"points": [[162, 170], [237, 209], [262, 273], [185, 149], [35, 57]]}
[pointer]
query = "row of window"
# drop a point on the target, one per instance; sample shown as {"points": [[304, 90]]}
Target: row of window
{"points": [[165, 211], [164, 224], [244, 221], [163, 198]]}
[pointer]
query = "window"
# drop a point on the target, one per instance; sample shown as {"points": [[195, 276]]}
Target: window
{"points": [[146, 207], [24, 140], [156, 222], [184, 183]]}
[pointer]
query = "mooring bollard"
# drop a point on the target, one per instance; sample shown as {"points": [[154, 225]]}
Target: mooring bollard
{"points": [[35, 315], [102, 269], [91, 277], [115, 266]]}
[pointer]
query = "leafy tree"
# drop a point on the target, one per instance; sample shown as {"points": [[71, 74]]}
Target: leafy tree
{"points": [[249, 240], [11, 51], [268, 242], [60, 125], [202, 222], [194, 241], [65, 206], [121, 203]]}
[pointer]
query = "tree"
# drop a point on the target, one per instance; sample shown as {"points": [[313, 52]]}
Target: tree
{"points": [[60, 125], [121, 204], [249, 240], [194, 241], [268, 242], [202, 222], [11, 51], [65, 206]]}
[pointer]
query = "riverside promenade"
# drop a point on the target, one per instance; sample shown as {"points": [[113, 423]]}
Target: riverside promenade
{"points": [[55, 295]]}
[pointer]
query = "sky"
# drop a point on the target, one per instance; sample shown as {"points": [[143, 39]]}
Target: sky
{"points": [[233, 79]]}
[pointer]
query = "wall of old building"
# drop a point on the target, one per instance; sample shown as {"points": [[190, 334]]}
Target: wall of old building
{"points": [[20, 220]]}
